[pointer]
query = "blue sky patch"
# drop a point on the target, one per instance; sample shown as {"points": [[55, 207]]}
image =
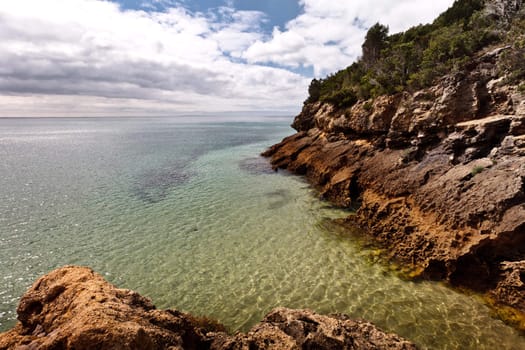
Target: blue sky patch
{"points": [[278, 12]]}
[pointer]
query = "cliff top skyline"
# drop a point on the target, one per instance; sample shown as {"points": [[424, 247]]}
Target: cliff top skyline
{"points": [[168, 58]]}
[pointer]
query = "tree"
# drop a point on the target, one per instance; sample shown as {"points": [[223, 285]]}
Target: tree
{"points": [[461, 10], [375, 41], [314, 91]]}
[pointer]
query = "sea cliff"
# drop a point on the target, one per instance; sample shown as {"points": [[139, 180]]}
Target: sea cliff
{"points": [[437, 174]]}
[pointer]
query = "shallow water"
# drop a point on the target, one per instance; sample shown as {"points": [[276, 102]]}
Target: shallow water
{"points": [[187, 214]]}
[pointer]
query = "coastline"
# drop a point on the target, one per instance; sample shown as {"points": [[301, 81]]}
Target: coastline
{"points": [[273, 244], [438, 177]]}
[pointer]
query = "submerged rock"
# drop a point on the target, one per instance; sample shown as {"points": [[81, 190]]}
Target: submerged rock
{"points": [[75, 308]]}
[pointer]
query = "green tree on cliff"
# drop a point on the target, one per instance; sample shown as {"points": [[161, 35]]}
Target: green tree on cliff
{"points": [[409, 60], [375, 41], [314, 91]]}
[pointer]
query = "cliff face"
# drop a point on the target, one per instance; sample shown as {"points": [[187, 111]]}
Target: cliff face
{"points": [[75, 308], [438, 175]]}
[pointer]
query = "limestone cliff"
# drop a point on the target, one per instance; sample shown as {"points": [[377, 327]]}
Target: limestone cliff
{"points": [[437, 174], [75, 308]]}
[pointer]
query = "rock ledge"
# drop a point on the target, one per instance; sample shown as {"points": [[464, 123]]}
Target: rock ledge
{"points": [[438, 175]]}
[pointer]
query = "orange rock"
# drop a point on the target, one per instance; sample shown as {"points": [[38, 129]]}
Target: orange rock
{"points": [[75, 308]]}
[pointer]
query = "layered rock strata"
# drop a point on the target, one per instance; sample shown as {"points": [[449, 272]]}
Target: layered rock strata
{"points": [[438, 176], [75, 308]]}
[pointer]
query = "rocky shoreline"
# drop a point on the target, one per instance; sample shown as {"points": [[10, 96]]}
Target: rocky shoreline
{"points": [[438, 176], [75, 308]]}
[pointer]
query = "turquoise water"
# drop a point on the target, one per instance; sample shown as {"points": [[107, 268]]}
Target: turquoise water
{"points": [[187, 214]]}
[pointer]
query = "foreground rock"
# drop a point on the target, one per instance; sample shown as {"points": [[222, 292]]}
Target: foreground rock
{"points": [[75, 308], [438, 175]]}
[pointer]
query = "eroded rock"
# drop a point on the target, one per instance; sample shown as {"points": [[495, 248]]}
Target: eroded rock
{"points": [[303, 329], [75, 308], [439, 174]]}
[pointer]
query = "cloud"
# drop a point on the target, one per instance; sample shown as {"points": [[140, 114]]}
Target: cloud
{"points": [[92, 57], [66, 54], [328, 35]]}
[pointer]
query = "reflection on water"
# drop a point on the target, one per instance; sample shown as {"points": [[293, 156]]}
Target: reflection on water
{"points": [[189, 216]]}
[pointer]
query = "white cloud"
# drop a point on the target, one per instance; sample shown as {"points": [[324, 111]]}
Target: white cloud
{"points": [[83, 57], [328, 35], [91, 57]]}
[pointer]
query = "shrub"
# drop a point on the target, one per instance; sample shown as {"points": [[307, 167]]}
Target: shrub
{"points": [[513, 65], [342, 98], [476, 170]]}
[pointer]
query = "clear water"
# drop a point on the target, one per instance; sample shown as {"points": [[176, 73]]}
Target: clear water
{"points": [[187, 214]]}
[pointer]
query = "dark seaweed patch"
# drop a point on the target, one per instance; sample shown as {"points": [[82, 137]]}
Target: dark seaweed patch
{"points": [[256, 166], [279, 198], [155, 185]]}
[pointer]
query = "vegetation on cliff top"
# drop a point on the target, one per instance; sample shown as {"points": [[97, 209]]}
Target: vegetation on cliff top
{"points": [[414, 59]]}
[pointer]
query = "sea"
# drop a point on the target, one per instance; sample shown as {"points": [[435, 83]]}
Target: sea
{"points": [[186, 212]]}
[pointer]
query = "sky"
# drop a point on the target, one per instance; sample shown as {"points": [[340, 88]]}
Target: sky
{"points": [[182, 57]]}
